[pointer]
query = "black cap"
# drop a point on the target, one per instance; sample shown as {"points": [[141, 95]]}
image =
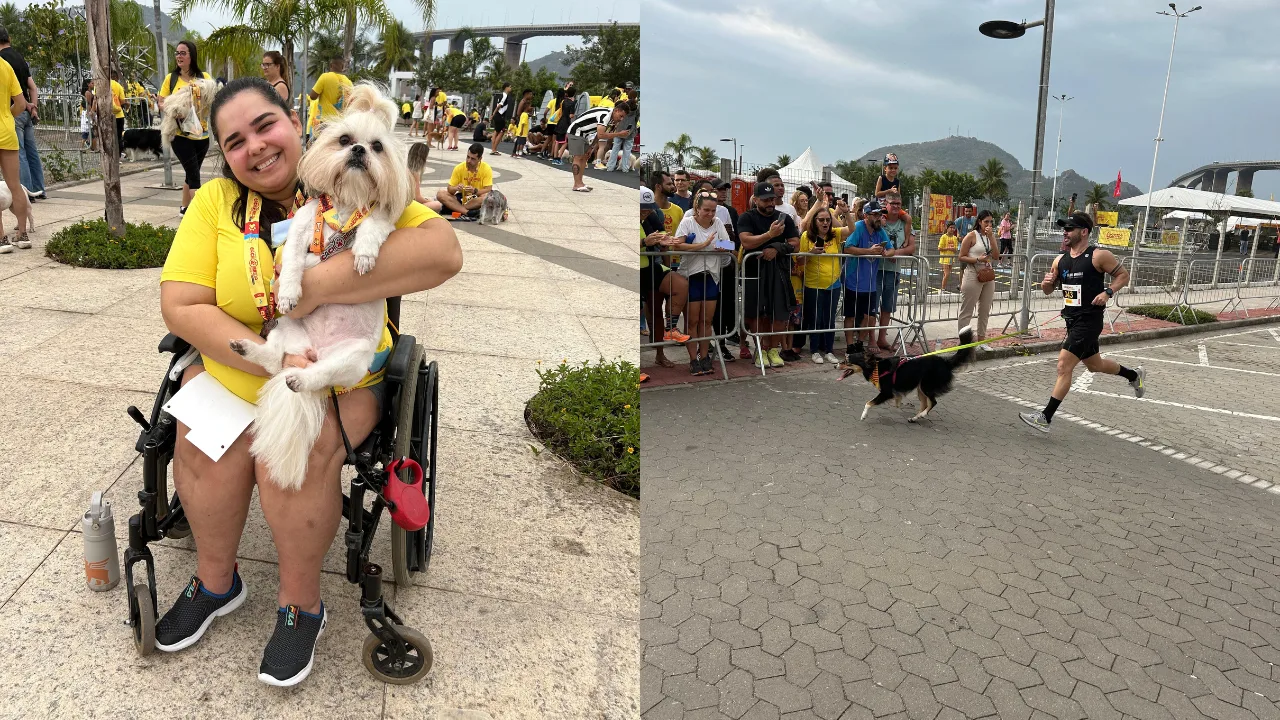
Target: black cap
{"points": [[1076, 220], [720, 183], [765, 190]]}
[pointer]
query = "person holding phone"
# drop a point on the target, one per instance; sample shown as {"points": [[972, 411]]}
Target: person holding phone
{"points": [[821, 279], [767, 296], [698, 234]]}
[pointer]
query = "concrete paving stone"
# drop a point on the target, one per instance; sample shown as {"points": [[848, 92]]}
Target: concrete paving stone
{"points": [[486, 393], [28, 328], [495, 291], [111, 352], [528, 334], [54, 286], [26, 547], [16, 263], [538, 228], [612, 250]]}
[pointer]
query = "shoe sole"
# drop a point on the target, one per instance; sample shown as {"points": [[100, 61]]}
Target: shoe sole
{"points": [[1044, 430], [224, 610], [304, 672]]}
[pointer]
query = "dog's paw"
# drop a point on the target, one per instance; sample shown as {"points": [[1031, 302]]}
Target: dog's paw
{"points": [[294, 382], [240, 347], [287, 301], [365, 262], [912, 420]]}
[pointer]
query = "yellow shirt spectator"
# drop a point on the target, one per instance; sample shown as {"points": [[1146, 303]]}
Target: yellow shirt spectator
{"points": [[10, 87], [947, 245], [440, 99], [479, 179], [522, 129], [166, 91], [406, 108], [117, 98], [208, 250], [821, 273], [475, 116], [333, 89], [313, 109]]}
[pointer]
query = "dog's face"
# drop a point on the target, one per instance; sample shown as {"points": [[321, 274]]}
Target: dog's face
{"points": [[864, 365], [357, 159]]}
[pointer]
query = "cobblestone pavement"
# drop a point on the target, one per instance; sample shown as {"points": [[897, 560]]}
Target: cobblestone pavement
{"points": [[797, 563]]}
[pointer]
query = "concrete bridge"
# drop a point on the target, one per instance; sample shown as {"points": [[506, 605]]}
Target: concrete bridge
{"points": [[1213, 177], [513, 36]]}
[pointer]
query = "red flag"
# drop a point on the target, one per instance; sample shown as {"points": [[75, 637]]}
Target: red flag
{"points": [[1116, 193]]}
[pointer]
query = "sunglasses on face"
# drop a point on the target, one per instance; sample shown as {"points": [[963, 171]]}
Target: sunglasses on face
{"points": [[706, 194]]}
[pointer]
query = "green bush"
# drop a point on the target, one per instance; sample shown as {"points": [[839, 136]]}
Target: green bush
{"points": [[1183, 314], [590, 415], [89, 244], [61, 167]]}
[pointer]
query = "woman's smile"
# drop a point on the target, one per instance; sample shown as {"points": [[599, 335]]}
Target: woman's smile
{"points": [[266, 164]]}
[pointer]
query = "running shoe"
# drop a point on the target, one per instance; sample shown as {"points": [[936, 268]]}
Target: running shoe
{"points": [[194, 611], [291, 651], [674, 335], [707, 368], [695, 366], [744, 352], [23, 241], [726, 353], [1138, 388], [831, 358], [5, 245], [790, 355], [816, 358], [1036, 420], [775, 358]]}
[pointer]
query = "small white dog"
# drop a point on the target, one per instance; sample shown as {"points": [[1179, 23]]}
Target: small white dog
{"points": [[183, 113], [356, 165]]}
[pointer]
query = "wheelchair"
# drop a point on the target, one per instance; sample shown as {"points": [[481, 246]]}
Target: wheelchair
{"points": [[392, 652]]}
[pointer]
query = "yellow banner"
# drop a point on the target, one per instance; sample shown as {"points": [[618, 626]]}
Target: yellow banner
{"points": [[1115, 237], [1110, 219], [939, 213], [1170, 237]]}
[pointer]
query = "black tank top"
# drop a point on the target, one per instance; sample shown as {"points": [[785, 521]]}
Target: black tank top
{"points": [[1081, 283], [886, 183]]}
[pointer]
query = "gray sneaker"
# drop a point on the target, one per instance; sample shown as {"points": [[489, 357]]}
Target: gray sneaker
{"points": [[1036, 420], [1138, 388], [5, 245]]}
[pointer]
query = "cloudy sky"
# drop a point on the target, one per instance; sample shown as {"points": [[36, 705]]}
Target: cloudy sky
{"points": [[850, 76]]}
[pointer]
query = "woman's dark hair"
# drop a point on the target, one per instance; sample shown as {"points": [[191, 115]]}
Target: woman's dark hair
{"points": [[982, 215], [813, 228], [271, 211], [278, 59], [195, 60]]}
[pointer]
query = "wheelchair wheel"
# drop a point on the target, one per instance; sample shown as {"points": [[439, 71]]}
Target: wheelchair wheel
{"points": [[400, 538], [406, 670], [143, 615]]}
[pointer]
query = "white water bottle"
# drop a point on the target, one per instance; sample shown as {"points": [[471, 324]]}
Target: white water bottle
{"points": [[101, 558]]}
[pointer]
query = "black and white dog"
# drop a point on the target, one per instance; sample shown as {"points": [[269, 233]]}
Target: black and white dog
{"points": [[930, 376], [138, 141]]}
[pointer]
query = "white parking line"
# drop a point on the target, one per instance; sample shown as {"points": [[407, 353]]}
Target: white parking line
{"points": [[1274, 334], [1263, 347], [1179, 362], [1204, 354], [1220, 411]]}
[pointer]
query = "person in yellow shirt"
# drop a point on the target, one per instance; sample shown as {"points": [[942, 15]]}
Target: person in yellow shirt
{"points": [[947, 245], [440, 102], [456, 120], [469, 182], [9, 158], [207, 297], [521, 133], [821, 286], [331, 90], [117, 104], [189, 149]]}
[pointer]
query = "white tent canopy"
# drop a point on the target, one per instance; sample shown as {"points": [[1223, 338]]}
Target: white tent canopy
{"points": [[1176, 198], [807, 168]]}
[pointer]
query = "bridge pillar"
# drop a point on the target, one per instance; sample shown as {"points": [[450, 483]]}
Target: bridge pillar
{"points": [[1206, 181], [1220, 180], [456, 44], [512, 47], [1244, 181]]}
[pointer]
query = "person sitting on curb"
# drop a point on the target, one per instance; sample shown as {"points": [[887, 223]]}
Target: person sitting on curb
{"points": [[471, 180]]}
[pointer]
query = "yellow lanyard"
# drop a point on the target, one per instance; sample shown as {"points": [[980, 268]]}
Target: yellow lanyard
{"points": [[328, 215], [259, 284]]}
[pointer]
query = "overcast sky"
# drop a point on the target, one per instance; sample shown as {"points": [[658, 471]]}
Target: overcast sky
{"points": [[847, 77]]}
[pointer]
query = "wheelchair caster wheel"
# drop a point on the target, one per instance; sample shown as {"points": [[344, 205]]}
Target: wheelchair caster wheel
{"points": [[179, 530], [144, 620], [407, 669]]}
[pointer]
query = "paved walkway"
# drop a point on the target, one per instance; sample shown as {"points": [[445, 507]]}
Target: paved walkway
{"points": [[530, 603], [798, 563]]}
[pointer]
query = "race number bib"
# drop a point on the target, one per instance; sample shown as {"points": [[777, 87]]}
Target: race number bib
{"points": [[1071, 295]]}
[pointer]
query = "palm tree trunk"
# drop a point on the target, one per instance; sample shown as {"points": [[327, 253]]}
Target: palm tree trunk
{"points": [[99, 26], [349, 38], [286, 49]]}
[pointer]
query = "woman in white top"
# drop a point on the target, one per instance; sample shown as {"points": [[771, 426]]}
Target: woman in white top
{"points": [[702, 266], [416, 116], [977, 252]]}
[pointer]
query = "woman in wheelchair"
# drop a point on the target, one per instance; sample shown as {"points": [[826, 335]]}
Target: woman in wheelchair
{"points": [[208, 299]]}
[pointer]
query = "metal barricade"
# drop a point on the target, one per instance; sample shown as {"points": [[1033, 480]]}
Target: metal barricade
{"points": [[1259, 281], [657, 335], [1205, 285], [1151, 281], [944, 304]]}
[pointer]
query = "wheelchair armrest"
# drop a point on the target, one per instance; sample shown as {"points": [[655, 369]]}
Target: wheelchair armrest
{"points": [[398, 365], [174, 344]]}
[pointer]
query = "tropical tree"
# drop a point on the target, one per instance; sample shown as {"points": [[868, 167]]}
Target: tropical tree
{"points": [[322, 47], [1098, 197], [606, 59], [705, 158], [781, 161], [523, 77], [932, 179], [244, 54], [991, 180], [679, 148]]}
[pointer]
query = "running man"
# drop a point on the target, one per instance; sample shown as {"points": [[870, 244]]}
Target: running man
{"points": [[1080, 272]]}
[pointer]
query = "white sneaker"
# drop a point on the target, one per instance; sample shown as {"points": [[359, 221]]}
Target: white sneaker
{"points": [[1035, 420], [831, 358], [817, 358], [1138, 389]]}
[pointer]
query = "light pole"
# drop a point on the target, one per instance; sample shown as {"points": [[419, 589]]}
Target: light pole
{"points": [[1053, 198], [735, 152], [1006, 30], [1151, 184]]}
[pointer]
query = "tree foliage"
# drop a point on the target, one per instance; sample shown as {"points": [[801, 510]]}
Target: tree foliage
{"points": [[1099, 197], [991, 181], [680, 147], [705, 158], [607, 59]]}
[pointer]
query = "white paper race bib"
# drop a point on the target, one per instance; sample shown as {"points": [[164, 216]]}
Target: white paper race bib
{"points": [[1071, 295]]}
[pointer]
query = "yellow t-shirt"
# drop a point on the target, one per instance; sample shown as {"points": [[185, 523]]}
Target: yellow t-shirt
{"points": [[474, 116], [441, 99], [947, 244], [117, 98], [9, 85], [313, 109], [820, 272], [672, 215], [166, 91], [333, 89], [522, 129], [480, 179], [406, 108], [208, 250]]}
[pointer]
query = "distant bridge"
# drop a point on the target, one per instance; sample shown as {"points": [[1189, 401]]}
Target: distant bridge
{"points": [[1213, 177], [513, 36]]}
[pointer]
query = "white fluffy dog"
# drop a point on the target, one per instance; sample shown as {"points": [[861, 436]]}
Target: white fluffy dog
{"points": [[183, 113], [356, 164], [6, 203]]}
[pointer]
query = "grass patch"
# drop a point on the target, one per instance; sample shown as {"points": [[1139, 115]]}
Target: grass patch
{"points": [[89, 244], [590, 416], [1170, 313]]}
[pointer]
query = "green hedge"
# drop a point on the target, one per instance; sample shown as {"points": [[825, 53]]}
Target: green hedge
{"points": [[89, 244], [1183, 315], [590, 415]]}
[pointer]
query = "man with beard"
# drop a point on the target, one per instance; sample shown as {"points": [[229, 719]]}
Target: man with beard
{"points": [[767, 294], [470, 181]]}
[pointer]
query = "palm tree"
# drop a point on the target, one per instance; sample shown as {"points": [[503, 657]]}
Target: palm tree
{"points": [[679, 147], [1098, 197], [991, 180], [323, 47], [705, 158], [930, 177], [781, 161]]}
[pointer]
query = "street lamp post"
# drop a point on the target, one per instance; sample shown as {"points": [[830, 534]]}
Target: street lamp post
{"points": [[1053, 198], [735, 152], [1007, 30], [1151, 184]]}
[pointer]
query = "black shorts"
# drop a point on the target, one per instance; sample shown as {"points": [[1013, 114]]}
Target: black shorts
{"points": [[500, 123], [191, 154], [457, 121], [1082, 335], [651, 277], [858, 305]]}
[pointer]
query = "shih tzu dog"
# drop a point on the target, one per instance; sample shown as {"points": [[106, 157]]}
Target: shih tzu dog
{"points": [[187, 110], [357, 178]]}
